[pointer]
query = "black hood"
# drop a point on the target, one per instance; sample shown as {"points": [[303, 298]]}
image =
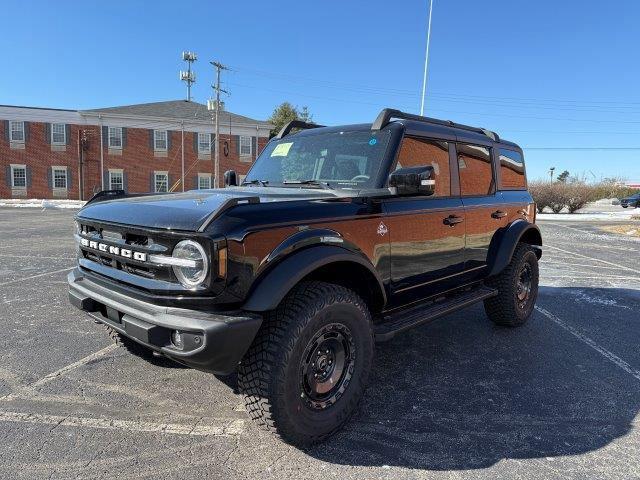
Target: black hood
{"points": [[189, 210]]}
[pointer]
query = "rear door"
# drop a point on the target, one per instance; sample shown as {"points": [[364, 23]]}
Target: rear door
{"points": [[484, 208], [426, 233]]}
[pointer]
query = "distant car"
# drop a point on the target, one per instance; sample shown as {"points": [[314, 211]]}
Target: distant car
{"points": [[632, 201]]}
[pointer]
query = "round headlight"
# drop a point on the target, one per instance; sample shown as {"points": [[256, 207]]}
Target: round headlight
{"points": [[194, 269]]}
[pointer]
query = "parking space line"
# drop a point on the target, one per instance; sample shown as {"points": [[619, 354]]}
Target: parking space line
{"points": [[83, 361], [36, 276], [613, 358], [594, 259], [220, 428]]}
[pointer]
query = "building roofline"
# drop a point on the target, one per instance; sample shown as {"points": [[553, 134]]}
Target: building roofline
{"points": [[41, 108]]}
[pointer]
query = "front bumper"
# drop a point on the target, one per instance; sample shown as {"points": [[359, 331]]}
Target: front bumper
{"points": [[213, 342]]}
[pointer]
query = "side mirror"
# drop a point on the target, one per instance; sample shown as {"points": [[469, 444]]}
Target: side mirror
{"points": [[230, 178], [413, 181]]}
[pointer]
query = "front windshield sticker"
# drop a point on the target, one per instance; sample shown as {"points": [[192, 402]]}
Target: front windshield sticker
{"points": [[281, 150]]}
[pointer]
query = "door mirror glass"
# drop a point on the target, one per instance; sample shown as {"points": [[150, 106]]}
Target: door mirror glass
{"points": [[230, 178], [413, 181]]}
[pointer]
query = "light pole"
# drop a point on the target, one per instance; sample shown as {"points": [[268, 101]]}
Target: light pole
{"points": [[426, 59], [551, 173]]}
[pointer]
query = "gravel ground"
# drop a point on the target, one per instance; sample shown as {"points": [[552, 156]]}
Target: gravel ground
{"points": [[459, 398]]}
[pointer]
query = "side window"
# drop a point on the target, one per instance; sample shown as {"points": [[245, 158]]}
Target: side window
{"points": [[511, 170], [476, 170], [416, 152]]}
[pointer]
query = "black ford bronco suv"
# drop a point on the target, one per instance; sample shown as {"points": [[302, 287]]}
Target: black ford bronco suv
{"points": [[339, 237]]}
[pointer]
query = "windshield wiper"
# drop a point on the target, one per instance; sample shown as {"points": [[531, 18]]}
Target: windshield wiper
{"points": [[308, 182], [262, 183]]}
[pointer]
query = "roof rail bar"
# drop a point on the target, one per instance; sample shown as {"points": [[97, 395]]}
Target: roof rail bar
{"points": [[296, 124], [385, 116]]}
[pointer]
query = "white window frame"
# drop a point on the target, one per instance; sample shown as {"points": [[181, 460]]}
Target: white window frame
{"points": [[243, 139], [156, 139], [21, 130], [208, 142], [155, 181], [64, 134], [114, 132], [53, 177], [13, 178], [116, 172], [201, 177]]}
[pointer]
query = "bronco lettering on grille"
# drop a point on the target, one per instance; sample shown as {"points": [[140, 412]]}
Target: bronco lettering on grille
{"points": [[113, 250]]}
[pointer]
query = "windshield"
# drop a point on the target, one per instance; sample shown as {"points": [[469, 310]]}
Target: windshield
{"points": [[323, 160]]}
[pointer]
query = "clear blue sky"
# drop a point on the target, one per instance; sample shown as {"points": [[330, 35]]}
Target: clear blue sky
{"points": [[542, 73]]}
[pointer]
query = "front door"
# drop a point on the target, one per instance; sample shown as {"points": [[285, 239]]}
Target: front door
{"points": [[427, 234]]}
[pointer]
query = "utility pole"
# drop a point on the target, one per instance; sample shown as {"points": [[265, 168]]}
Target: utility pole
{"points": [[426, 60], [216, 156]]}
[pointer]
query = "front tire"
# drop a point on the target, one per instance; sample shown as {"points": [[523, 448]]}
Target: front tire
{"points": [[517, 287], [308, 366]]}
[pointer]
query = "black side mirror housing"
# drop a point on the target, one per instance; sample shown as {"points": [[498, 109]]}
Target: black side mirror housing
{"points": [[230, 178], [414, 181]]}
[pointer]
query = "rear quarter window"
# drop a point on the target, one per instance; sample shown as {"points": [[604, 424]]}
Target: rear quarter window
{"points": [[512, 172]]}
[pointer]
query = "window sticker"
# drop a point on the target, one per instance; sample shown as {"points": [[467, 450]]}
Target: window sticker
{"points": [[373, 141], [281, 150]]}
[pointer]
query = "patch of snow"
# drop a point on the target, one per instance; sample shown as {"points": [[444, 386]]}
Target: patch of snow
{"points": [[581, 296], [39, 203]]}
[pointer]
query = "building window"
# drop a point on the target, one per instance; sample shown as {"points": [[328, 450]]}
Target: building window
{"points": [[161, 182], [160, 140], [204, 143], [16, 131], [59, 178], [18, 176], [204, 181], [58, 133], [115, 137], [245, 146], [116, 180]]}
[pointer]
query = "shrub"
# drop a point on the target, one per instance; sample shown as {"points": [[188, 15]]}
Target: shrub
{"points": [[541, 193], [577, 195]]}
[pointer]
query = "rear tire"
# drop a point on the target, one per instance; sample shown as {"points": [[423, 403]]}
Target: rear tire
{"points": [[308, 366], [517, 287]]}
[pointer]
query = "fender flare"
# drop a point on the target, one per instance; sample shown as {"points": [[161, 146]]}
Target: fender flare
{"points": [[504, 244], [270, 288]]}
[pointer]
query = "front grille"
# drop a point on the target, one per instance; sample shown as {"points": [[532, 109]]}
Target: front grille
{"points": [[123, 248]]}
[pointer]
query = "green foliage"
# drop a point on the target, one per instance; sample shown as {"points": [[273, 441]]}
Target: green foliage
{"points": [[285, 113], [562, 178]]}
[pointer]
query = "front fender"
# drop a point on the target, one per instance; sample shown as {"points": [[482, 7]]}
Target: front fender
{"points": [[504, 244], [271, 287]]}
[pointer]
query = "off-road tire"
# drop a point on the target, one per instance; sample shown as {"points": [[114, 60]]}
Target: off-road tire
{"points": [[505, 309], [270, 375]]}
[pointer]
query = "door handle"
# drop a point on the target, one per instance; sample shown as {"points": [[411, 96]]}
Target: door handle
{"points": [[498, 214], [451, 220]]}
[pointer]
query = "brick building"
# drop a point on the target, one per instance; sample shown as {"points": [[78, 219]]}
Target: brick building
{"points": [[141, 148]]}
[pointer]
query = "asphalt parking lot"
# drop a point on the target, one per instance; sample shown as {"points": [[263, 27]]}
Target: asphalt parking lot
{"points": [[459, 398]]}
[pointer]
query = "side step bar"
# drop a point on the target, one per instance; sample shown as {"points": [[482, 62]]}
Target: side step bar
{"points": [[425, 312]]}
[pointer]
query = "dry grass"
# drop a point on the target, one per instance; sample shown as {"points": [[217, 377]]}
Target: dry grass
{"points": [[629, 230]]}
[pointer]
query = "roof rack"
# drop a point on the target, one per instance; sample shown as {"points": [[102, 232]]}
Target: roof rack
{"points": [[296, 124], [385, 116]]}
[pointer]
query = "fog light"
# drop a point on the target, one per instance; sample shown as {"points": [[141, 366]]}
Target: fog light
{"points": [[177, 340]]}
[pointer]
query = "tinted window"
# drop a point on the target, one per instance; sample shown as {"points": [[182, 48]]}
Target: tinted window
{"points": [[476, 171], [416, 152], [511, 170]]}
